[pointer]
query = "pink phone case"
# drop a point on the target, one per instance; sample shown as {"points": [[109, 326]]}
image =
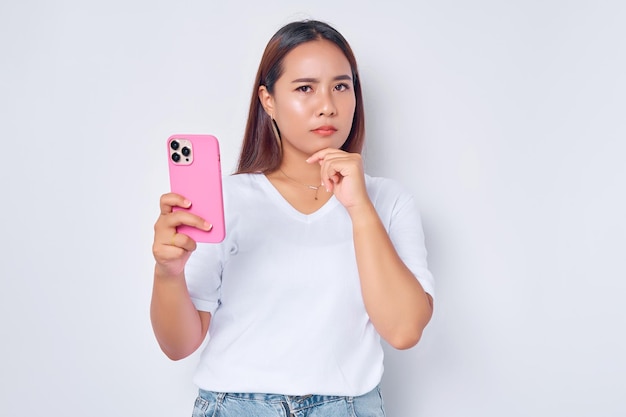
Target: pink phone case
{"points": [[196, 174]]}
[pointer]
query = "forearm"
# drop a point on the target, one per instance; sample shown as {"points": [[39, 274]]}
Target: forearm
{"points": [[394, 299], [176, 323]]}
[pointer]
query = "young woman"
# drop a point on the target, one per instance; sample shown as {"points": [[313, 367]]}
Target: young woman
{"points": [[320, 260]]}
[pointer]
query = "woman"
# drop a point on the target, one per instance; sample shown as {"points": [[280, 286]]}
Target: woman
{"points": [[319, 262]]}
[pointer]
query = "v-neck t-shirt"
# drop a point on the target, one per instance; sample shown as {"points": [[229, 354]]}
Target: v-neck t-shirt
{"points": [[283, 290]]}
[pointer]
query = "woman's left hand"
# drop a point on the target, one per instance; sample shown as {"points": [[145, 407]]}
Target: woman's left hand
{"points": [[342, 174]]}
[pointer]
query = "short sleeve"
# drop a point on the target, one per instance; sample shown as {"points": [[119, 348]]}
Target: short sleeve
{"points": [[203, 274], [407, 234]]}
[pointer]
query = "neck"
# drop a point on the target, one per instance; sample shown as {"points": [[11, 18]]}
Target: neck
{"points": [[301, 171]]}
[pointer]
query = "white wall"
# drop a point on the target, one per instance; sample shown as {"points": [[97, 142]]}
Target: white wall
{"points": [[506, 119]]}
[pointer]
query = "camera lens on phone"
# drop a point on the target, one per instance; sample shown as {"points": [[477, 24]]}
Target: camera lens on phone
{"points": [[174, 145], [185, 151], [175, 157]]}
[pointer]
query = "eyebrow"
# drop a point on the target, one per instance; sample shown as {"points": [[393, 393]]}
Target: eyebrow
{"points": [[315, 80]]}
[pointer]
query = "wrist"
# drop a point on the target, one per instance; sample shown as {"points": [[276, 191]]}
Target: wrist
{"points": [[363, 213], [162, 272]]}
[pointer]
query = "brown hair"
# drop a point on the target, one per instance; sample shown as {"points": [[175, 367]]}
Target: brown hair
{"points": [[260, 151]]}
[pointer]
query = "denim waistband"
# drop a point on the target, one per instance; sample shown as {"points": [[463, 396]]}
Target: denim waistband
{"points": [[295, 402], [310, 399]]}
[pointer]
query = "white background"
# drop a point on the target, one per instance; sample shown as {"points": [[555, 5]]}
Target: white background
{"points": [[506, 119]]}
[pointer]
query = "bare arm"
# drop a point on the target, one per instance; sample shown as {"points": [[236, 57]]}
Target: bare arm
{"points": [[394, 299], [178, 326]]}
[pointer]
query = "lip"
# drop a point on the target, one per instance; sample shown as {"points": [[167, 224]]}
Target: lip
{"points": [[324, 130]]}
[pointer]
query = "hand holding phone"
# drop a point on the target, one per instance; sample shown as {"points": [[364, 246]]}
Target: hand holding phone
{"points": [[195, 173]]}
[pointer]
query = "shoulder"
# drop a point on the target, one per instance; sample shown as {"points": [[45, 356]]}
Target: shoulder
{"points": [[245, 192], [386, 188], [240, 183], [240, 180], [391, 198]]}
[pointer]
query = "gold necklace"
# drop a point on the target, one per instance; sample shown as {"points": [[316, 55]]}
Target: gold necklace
{"points": [[310, 187]]}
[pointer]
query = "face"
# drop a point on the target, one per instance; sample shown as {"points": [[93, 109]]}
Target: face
{"points": [[313, 101]]}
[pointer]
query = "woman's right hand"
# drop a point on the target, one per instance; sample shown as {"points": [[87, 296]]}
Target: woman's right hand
{"points": [[171, 250]]}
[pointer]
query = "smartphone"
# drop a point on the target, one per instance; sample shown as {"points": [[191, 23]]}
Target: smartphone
{"points": [[195, 173]]}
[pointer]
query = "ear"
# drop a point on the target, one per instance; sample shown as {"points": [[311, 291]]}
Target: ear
{"points": [[267, 101]]}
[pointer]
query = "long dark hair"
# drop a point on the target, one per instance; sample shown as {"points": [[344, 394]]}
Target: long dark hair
{"points": [[260, 152]]}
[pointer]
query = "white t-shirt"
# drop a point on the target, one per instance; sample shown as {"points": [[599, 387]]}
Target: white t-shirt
{"points": [[283, 289]]}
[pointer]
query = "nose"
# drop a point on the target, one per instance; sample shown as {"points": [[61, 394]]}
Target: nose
{"points": [[327, 104]]}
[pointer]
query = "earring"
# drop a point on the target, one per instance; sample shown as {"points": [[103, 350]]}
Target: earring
{"points": [[277, 134]]}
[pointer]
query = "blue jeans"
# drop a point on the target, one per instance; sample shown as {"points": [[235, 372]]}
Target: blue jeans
{"points": [[216, 404]]}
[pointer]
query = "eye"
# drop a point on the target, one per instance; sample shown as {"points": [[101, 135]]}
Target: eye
{"points": [[304, 89], [342, 87]]}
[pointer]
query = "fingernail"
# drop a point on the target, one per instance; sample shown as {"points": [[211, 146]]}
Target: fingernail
{"points": [[186, 203], [208, 226]]}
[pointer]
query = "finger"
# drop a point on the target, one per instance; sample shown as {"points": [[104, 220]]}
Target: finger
{"points": [[170, 200], [344, 163], [333, 167], [182, 217], [166, 225], [329, 176], [181, 240], [165, 254], [322, 154]]}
